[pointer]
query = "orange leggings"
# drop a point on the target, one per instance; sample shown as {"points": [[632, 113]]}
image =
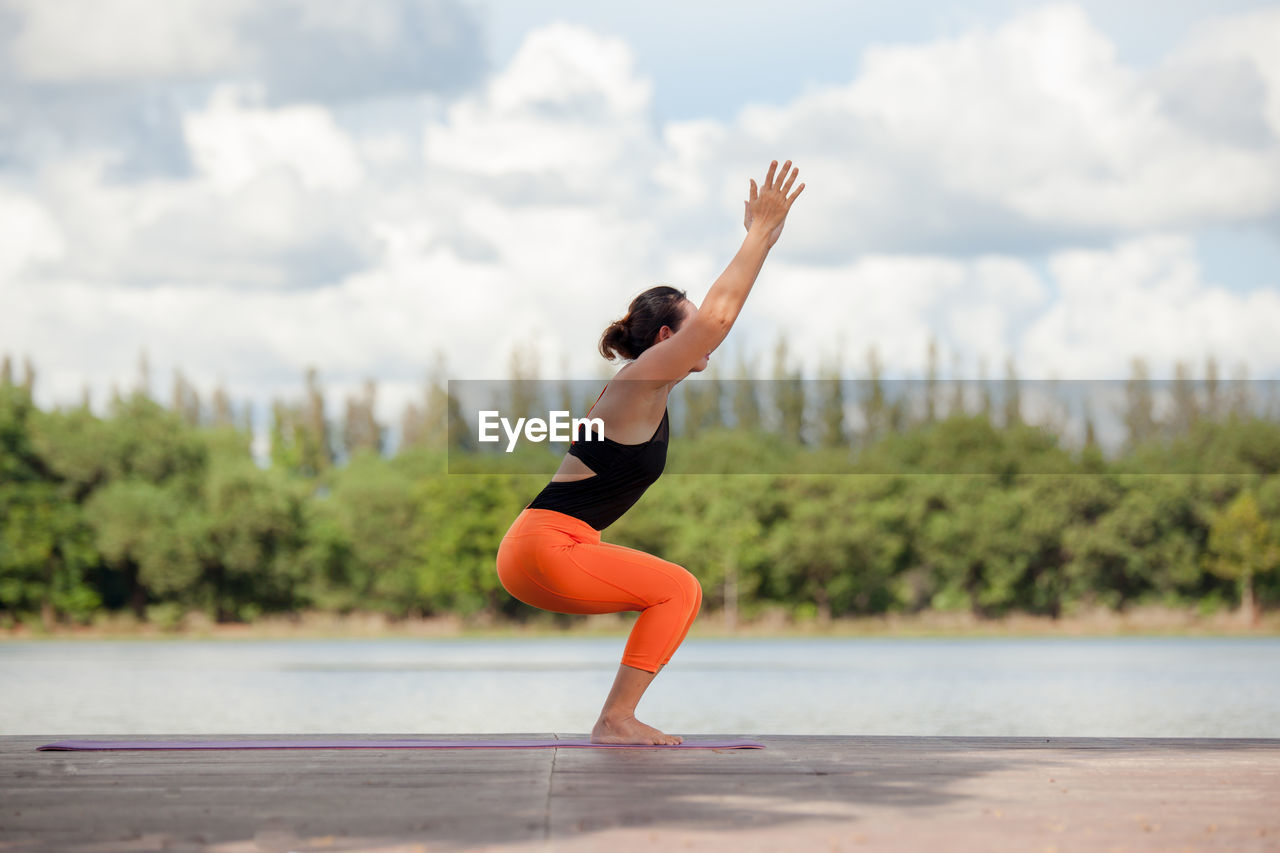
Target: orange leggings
{"points": [[554, 561]]}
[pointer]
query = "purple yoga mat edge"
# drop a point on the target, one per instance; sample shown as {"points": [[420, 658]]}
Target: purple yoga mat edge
{"points": [[95, 745]]}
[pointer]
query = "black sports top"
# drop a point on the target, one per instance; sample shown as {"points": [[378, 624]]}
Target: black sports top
{"points": [[623, 472]]}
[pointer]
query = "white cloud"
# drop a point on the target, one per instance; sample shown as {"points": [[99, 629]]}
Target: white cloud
{"points": [[532, 210], [568, 115], [270, 230], [1093, 313], [30, 234], [1024, 136], [232, 144], [572, 70], [1147, 299], [1225, 45], [896, 304], [83, 77], [77, 40], [297, 48]]}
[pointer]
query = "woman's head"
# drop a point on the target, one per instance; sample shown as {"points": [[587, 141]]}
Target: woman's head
{"points": [[648, 313]]}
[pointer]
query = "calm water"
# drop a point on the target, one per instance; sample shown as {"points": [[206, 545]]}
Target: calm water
{"points": [[1137, 687]]}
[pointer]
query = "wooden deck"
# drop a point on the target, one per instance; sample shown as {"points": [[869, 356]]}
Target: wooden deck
{"points": [[801, 793]]}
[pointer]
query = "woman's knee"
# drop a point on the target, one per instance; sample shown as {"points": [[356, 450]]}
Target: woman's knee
{"points": [[691, 588]]}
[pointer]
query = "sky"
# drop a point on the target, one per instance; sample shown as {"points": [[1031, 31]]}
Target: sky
{"points": [[242, 189]]}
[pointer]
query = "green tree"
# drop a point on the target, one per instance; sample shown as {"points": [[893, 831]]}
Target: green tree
{"points": [[1139, 414], [1186, 408], [931, 401], [148, 540], [746, 400], [143, 508], [428, 426], [957, 405], [1146, 546], [1012, 395], [831, 408], [719, 540], [360, 427], [875, 408], [1243, 547], [788, 392], [459, 435], [46, 554], [19, 456], [463, 519], [702, 406], [838, 546], [379, 516], [250, 531], [301, 437], [186, 400], [46, 550]]}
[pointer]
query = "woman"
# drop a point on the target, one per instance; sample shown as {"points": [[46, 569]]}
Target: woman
{"points": [[552, 556]]}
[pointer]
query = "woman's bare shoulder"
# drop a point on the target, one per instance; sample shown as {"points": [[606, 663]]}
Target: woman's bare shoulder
{"points": [[641, 396], [632, 411], [639, 387]]}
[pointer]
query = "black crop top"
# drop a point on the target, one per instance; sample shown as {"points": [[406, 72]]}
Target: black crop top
{"points": [[623, 473]]}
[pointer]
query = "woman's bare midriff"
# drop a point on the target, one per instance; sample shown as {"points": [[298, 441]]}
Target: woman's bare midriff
{"points": [[572, 468]]}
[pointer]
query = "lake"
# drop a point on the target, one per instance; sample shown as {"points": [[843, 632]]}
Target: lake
{"points": [[1087, 687]]}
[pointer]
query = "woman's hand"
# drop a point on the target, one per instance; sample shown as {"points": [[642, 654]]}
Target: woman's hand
{"points": [[768, 207]]}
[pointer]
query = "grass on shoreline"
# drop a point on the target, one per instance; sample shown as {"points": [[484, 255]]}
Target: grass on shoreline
{"points": [[1141, 621]]}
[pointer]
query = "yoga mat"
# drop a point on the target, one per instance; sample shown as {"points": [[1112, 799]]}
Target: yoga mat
{"points": [[385, 744]]}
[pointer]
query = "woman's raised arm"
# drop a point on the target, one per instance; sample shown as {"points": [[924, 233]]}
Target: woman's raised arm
{"points": [[766, 213]]}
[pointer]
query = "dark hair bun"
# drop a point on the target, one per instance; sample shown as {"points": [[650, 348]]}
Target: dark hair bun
{"points": [[649, 312], [616, 340]]}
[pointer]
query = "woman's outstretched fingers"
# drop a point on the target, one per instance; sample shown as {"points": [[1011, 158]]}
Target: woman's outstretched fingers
{"points": [[795, 195], [768, 179], [786, 168], [790, 180]]}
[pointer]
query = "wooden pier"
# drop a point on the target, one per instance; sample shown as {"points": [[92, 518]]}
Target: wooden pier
{"points": [[801, 793]]}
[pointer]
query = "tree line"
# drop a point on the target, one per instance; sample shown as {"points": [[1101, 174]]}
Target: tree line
{"points": [[159, 510]]}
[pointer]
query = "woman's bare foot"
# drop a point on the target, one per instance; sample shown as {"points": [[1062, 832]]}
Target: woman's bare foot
{"points": [[630, 730]]}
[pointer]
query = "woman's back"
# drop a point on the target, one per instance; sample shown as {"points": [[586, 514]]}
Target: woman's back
{"points": [[619, 473]]}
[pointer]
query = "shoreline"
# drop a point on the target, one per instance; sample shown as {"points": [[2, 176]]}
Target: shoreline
{"points": [[1140, 621]]}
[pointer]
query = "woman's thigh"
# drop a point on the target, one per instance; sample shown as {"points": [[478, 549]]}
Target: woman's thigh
{"points": [[584, 577], [637, 576]]}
